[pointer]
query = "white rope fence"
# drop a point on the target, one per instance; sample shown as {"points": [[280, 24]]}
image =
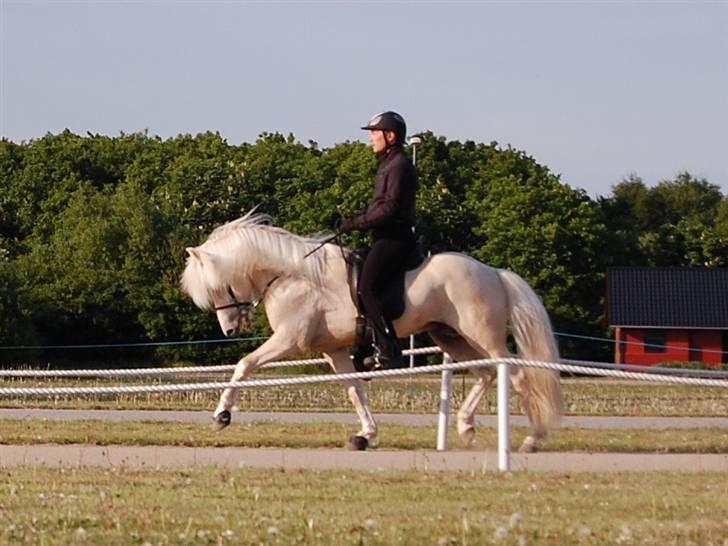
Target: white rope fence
{"points": [[652, 370], [447, 367], [142, 372], [380, 374], [584, 367]]}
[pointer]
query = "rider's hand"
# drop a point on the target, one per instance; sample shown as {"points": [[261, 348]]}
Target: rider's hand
{"points": [[345, 225]]}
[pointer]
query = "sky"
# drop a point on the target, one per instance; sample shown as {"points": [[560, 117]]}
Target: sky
{"points": [[596, 91]]}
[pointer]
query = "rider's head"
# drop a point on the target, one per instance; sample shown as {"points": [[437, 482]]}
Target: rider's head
{"points": [[386, 129]]}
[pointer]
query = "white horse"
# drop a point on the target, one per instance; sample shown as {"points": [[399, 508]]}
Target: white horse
{"points": [[463, 304]]}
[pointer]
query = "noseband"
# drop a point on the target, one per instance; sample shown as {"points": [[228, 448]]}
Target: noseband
{"points": [[245, 305]]}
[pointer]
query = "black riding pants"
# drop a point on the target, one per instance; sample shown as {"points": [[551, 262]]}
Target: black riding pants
{"points": [[385, 259]]}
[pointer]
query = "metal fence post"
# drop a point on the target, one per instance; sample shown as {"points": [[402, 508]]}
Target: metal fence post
{"points": [[444, 415], [504, 414]]}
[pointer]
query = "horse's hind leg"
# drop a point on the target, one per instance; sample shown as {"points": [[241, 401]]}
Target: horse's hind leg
{"points": [[450, 342], [536, 434], [368, 435], [274, 348], [519, 380]]}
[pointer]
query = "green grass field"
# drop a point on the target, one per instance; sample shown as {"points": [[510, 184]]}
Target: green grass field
{"points": [[120, 506], [334, 435], [217, 506]]}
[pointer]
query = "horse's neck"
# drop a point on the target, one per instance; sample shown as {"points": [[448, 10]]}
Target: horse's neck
{"points": [[324, 271], [280, 254], [299, 304], [320, 272], [271, 269], [263, 280]]}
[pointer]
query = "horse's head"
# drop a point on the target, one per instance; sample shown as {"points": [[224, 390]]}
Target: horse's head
{"points": [[234, 313], [230, 296], [239, 258]]}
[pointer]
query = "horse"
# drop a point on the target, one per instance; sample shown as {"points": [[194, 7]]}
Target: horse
{"points": [[464, 305]]}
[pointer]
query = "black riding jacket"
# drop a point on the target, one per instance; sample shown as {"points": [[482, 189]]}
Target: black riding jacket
{"points": [[391, 214]]}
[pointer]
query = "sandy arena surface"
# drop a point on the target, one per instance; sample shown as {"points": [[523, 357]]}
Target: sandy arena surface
{"points": [[340, 459]]}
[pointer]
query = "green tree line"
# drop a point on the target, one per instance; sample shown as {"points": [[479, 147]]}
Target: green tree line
{"points": [[93, 228]]}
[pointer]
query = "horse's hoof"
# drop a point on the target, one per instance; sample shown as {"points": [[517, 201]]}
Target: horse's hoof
{"points": [[528, 447], [357, 443], [221, 420]]}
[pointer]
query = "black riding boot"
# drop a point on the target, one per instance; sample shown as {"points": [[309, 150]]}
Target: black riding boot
{"points": [[363, 344], [387, 353]]}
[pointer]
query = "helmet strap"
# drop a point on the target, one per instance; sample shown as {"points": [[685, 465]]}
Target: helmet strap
{"points": [[388, 145]]}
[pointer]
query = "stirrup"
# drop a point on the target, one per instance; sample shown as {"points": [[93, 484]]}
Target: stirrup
{"points": [[378, 361], [362, 359], [370, 363]]}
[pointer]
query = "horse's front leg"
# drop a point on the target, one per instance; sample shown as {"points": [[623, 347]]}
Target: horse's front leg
{"points": [[368, 435], [276, 347]]}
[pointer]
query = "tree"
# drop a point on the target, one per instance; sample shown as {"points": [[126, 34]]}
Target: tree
{"points": [[446, 171], [549, 233], [93, 228], [75, 275], [671, 224], [686, 198], [16, 327], [331, 184]]}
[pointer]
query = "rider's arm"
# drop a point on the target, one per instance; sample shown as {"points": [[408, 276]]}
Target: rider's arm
{"points": [[386, 201]]}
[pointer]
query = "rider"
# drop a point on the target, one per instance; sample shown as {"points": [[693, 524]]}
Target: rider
{"points": [[390, 218]]}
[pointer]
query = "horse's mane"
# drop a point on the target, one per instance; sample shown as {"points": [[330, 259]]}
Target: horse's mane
{"points": [[252, 242], [250, 219]]}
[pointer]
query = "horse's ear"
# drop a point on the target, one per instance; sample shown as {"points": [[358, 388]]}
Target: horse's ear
{"points": [[193, 253]]}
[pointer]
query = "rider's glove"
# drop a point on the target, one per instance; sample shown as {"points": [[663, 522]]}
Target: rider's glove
{"points": [[345, 225]]}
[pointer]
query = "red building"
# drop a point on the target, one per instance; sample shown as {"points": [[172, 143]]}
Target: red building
{"points": [[670, 314]]}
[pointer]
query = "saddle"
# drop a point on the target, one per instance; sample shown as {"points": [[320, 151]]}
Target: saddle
{"points": [[391, 296]]}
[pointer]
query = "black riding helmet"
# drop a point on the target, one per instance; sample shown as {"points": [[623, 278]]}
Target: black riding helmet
{"points": [[388, 121]]}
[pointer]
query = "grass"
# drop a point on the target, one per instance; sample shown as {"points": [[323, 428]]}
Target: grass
{"points": [[333, 435], [121, 506], [118, 506], [421, 395]]}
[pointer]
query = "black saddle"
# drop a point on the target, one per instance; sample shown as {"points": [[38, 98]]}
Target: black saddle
{"points": [[391, 296]]}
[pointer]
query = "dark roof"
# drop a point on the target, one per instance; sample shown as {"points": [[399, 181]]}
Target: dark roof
{"points": [[675, 297]]}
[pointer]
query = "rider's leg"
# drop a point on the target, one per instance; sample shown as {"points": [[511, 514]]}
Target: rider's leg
{"points": [[363, 347], [382, 263]]}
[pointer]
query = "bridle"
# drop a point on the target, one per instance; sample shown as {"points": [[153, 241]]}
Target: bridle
{"points": [[245, 306]]}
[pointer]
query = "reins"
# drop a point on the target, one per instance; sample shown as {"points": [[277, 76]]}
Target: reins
{"points": [[334, 237]]}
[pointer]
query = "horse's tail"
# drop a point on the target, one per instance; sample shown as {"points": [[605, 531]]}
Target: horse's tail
{"points": [[531, 327]]}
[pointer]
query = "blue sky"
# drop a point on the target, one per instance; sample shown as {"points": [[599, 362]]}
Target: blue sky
{"points": [[593, 90]]}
